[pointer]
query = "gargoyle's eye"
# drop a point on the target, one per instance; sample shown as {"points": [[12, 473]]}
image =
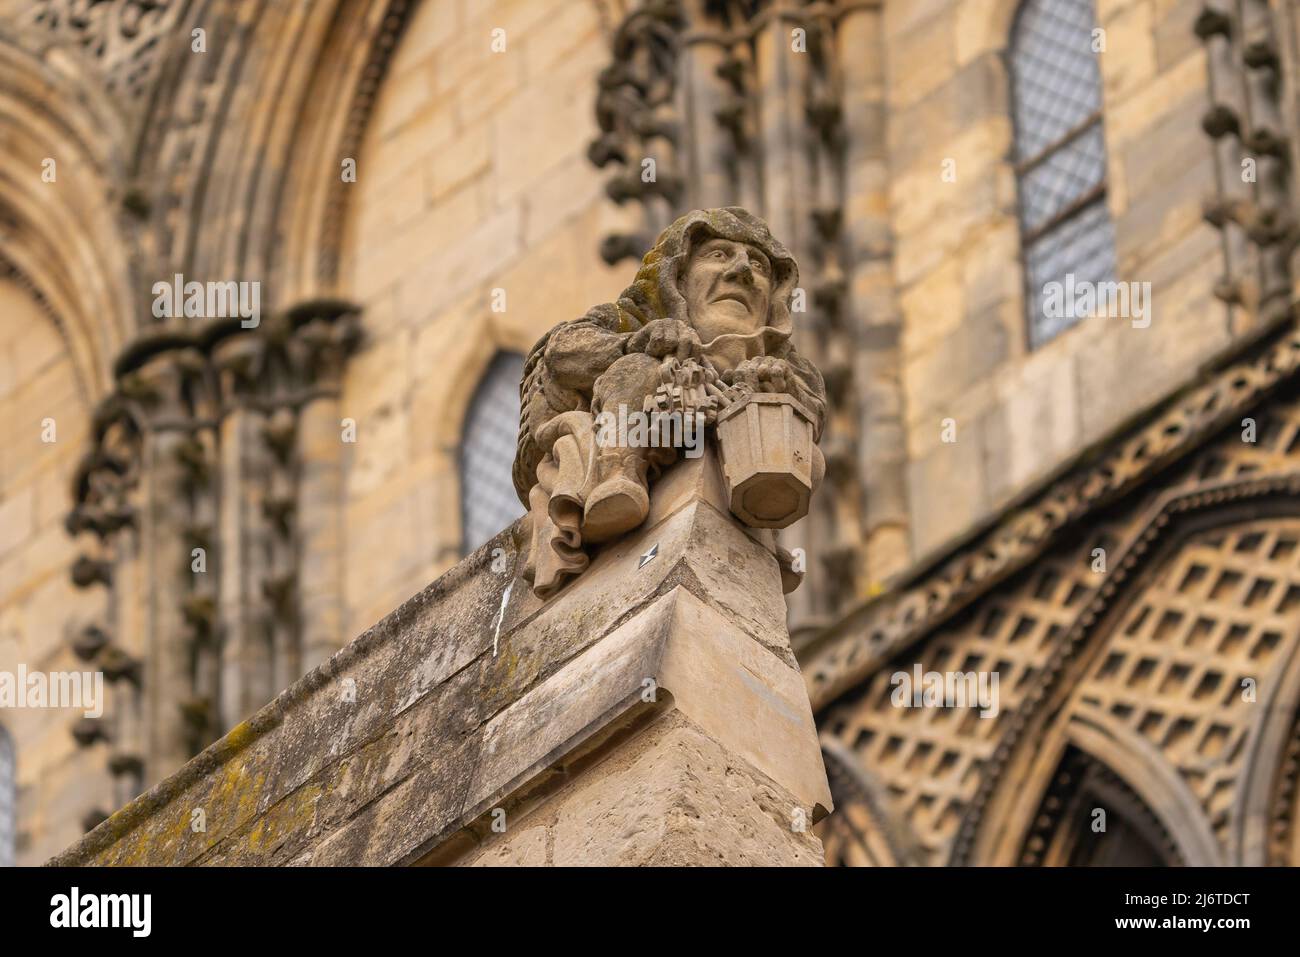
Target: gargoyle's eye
{"points": [[719, 254], [760, 265]]}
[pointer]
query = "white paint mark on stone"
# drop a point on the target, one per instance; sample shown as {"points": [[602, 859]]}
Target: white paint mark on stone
{"points": [[501, 616]]}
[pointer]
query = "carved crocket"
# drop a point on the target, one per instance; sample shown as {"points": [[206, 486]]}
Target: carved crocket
{"points": [[712, 296]]}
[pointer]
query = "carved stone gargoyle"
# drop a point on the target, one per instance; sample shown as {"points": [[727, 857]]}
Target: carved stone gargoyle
{"points": [[701, 339]]}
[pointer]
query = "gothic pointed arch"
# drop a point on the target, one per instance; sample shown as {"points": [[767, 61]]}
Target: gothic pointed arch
{"points": [[63, 230], [337, 97], [232, 186], [165, 167], [1263, 815], [1149, 593], [1173, 649], [1091, 761], [863, 830], [1090, 816], [167, 162], [1283, 835]]}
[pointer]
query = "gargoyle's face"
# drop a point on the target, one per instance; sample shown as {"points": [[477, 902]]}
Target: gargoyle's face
{"points": [[728, 288]]}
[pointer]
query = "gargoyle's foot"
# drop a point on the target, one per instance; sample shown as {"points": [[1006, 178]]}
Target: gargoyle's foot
{"points": [[620, 501]]}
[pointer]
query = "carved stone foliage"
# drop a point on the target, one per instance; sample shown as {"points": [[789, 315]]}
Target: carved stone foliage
{"points": [[1160, 637], [122, 36], [203, 432], [1252, 123], [635, 107], [166, 166]]}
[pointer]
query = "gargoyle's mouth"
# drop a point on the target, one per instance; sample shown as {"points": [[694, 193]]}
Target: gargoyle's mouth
{"points": [[733, 297]]}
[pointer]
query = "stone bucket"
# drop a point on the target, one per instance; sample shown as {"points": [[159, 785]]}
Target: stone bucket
{"points": [[770, 462]]}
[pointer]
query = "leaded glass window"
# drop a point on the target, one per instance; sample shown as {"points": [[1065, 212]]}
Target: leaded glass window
{"points": [[1060, 155], [8, 800], [487, 493]]}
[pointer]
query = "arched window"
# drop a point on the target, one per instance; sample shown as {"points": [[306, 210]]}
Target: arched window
{"points": [[487, 494], [1060, 155], [8, 800]]}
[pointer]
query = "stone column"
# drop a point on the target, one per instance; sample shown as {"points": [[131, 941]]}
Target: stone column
{"points": [[168, 673], [320, 490], [881, 448], [241, 537], [708, 160]]}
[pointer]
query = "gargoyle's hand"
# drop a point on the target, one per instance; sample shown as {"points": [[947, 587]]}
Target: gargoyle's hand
{"points": [[686, 372], [763, 374], [666, 337]]}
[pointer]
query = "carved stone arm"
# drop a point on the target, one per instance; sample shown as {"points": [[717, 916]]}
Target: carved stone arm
{"points": [[578, 352]]}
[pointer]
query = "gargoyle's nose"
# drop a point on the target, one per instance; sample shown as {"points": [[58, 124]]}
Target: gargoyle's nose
{"points": [[740, 269]]}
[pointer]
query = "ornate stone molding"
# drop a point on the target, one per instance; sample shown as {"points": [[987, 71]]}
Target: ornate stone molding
{"points": [[1253, 133], [1146, 649], [363, 99], [1078, 776], [1163, 525], [150, 126], [122, 38], [1284, 797], [154, 487]]}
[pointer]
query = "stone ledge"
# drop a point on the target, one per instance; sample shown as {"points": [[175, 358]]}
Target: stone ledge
{"points": [[473, 697]]}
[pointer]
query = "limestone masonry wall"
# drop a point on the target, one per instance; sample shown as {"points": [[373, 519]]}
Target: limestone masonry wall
{"points": [[447, 207], [959, 279], [39, 606]]}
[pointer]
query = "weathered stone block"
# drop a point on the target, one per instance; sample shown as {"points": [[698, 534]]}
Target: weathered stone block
{"points": [[680, 799]]}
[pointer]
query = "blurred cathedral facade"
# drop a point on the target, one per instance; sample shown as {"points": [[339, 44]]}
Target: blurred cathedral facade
{"points": [[1096, 507]]}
